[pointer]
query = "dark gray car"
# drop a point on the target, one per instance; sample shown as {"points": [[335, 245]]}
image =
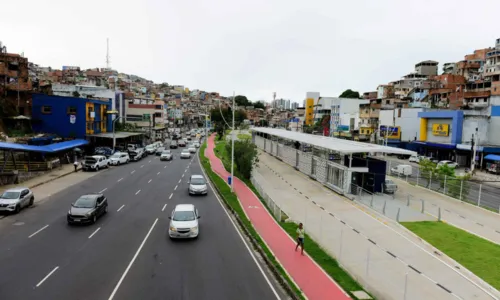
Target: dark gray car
{"points": [[87, 209]]}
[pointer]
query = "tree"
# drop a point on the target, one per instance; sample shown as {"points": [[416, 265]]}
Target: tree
{"points": [[245, 153], [242, 101], [219, 128], [164, 85], [259, 104], [350, 94]]}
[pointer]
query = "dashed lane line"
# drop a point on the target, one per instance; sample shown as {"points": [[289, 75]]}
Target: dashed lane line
{"points": [[121, 207], [120, 179], [46, 277], [102, 191], [39, 230], [93, 233], [138, 192], [150, 180], [164, 206]]}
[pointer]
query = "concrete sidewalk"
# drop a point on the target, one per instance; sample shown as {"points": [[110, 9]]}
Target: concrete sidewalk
{"points": [[479, 221], [386, 261]]}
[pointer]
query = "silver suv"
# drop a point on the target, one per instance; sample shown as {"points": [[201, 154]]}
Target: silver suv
{"points": [[197, 185], [13, 200]]}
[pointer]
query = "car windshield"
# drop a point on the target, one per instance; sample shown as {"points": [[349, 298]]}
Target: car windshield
{"points": [[166, 152], [389, 181], [198, 181], [116, 155], [85, 202], [183, 216], [90, 160], [10, 195]]}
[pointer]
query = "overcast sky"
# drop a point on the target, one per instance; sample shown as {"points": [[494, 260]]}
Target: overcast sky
{"points": [[254, 47]]}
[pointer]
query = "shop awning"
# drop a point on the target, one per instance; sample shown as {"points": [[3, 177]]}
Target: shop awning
{"points": [[492, 157]]}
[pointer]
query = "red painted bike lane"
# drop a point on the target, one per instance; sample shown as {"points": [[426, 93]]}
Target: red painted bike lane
{"points": [[314, 283]]}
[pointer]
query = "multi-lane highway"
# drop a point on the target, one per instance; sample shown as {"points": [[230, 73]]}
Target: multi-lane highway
{"points": [[127, 254]]}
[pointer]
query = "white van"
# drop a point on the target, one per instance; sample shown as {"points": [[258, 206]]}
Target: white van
{"points": [[402, 170]]}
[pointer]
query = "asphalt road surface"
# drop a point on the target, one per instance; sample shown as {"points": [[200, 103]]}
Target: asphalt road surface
{"points": [[127, 254]]}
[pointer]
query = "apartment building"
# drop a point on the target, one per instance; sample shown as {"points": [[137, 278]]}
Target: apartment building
{"points": [[140, 111]]}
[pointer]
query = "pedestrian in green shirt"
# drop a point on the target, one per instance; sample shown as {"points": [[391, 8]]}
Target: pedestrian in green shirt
{"points": [[300, 238]]}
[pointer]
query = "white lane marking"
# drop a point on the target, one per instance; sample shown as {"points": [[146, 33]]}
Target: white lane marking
{"points": [[121, 207], [180, 180], [182, 175], [158, 173], [241, 236], [164, 167], [185, 170], [138, 192], [90, 236], [103, 190], [175, 187], [48, 275], [142, 166], [171, 196], [132, 172], [132, 261], [164, 206], [38, 231], [150, 180], [149, 161], [120, 179]]}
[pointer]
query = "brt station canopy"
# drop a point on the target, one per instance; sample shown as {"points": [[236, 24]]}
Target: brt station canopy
{"points": [[342, 165]]}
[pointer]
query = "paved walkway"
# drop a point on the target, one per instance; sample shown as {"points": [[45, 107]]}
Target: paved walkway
{"points": [[373, 249], [310, 278]]}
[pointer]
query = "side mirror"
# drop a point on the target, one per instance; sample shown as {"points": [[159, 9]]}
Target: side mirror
{"points": [[170, 218], [199, 217], [73, 204]]}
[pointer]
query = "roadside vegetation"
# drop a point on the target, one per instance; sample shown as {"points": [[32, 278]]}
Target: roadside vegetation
{"points": [[232, 201], [325, 261], [448, 181], [478, 255]]}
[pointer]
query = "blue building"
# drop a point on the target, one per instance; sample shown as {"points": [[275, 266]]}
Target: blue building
{"points": [[70, 117]]}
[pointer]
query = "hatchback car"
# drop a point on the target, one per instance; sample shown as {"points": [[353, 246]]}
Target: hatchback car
{"points": [[185, 153], [119, 158], [87, 209], [184, 222], [13, 200], [159, 151], [166, 155], [197, 185]]}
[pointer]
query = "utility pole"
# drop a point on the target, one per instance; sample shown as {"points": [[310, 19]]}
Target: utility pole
{"points": [[232, 144], [114, 137], [474, 147]]}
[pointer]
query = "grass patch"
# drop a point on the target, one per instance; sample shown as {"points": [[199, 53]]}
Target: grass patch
{"points": [[324, 260], [233, 202], [243, 136], [478, 255]]}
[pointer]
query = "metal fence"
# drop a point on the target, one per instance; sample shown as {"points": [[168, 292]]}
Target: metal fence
{"points": [[273, 207], [482, 195]]}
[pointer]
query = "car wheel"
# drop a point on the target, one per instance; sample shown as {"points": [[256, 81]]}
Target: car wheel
{"points": [[127, 161], [97, 168], [32, 200], [18, 209]]}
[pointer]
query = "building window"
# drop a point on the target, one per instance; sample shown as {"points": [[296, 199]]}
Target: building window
{"points": [[47, 109], [71, 110], [91, 110], [157, 114]]}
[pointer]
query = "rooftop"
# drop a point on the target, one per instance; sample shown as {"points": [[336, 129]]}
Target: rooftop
{"points": [[334, 144]]}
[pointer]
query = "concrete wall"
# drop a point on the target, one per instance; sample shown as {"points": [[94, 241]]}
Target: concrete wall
{"points": [[469, 128], [408, 121]]}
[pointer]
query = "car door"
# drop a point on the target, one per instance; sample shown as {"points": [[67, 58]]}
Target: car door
{"points": [[100, 205], [23, 198]]}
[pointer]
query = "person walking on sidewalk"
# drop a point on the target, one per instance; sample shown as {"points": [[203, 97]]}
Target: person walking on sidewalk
{"points": [[75, 164], [300, 238]]}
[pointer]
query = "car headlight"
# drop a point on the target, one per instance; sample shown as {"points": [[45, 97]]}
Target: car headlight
{"points": [[12, 204], [172, 228], [88, 214], [195, 228], [69, 212]]}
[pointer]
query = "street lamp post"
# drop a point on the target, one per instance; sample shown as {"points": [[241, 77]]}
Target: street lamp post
{"points": [[114, 136], [232, 145]]}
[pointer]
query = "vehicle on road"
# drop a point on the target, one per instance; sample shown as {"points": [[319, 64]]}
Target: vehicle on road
{"points": [[192, 148], [390, 187], [185, 153], [94, 163], [402, 170], [448, 163], [414, 158], [137, 154], [166, 155], [159, 151], [182, 143], [87, 209], [119, 158], [197, 185], [196, 144], [13, 200], [150, 149], [184, 222], [173, 145]]}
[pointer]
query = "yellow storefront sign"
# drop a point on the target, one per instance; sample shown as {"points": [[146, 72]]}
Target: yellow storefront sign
{"points": [[440, 129], [309, 111]]}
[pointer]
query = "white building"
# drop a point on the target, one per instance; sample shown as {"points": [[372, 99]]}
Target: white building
{"points": [[405, 118], [344, 111], [281, 104]]}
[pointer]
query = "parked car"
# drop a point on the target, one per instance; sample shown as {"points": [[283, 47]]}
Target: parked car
{"points": [[94, 163], [414, 158], [184, 222], [166, 155], [448, 163], [402, 170], [87, 209], [185, 153], [150, 149], [119, 158], [13, 200], [390, 187], [197, 185]]}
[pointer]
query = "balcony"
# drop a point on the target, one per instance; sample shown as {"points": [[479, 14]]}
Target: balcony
{"points": [[477, 94], [478, 103]]}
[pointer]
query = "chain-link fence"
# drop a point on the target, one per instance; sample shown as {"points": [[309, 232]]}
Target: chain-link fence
{"points": [[482, 195]]}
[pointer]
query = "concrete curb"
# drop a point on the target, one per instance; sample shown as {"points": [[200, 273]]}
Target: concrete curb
{"points": [[281, 280]]}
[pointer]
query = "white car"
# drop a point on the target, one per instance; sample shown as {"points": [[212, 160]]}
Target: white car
{"points": [[151, 149], [166, 155], [196, 144], [119, 158], [449, 163], [13, 200], [197, 185], [94, 163], [184, 222], [192, 148], [414, 158], [185, 153]]}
